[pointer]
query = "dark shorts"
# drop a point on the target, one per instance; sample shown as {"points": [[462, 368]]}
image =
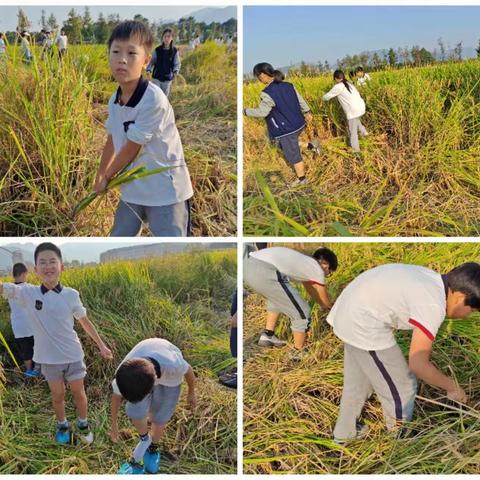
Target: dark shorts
{"points": [[290, 147], [25, 348]]}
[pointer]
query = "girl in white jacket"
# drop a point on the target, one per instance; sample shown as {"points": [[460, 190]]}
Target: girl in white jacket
{"points": [[352, 104]]}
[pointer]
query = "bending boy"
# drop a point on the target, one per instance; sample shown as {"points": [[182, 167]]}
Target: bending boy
{"points": [[269, 271], [150, 379], [365, 316]]}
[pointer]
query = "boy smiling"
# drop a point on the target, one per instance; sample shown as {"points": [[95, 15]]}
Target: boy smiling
{"points": [[52, 309], [142, 131]]}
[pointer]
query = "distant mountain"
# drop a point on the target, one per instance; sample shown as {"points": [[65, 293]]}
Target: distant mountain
{"points": [[209, 15]]}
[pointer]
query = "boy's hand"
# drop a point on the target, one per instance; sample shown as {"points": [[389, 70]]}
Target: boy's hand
{"points": [[457, 395], [106, 353], [308, 117], [100, 185], [192, 401], [114, 437]]}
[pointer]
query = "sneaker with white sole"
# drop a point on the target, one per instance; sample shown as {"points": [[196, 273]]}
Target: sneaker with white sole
{"points": [[131, 468], [297, 182], [297, 354], [85, 434], [362, 431], [273, 341]]}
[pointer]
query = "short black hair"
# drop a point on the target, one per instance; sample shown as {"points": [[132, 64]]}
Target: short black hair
{"points": [[135, 379], [466, 279], [43, 247], [326, 254], [359, 69], [19, 269], [132, 28]]}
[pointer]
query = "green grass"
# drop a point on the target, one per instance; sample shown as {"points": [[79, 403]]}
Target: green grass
{"points": [[184, 298], [418, 174], [52, 134], [290, 408]]}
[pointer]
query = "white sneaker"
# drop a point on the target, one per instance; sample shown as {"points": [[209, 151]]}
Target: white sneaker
{"points": [[297, 182], [86, 435], [273, 341]]}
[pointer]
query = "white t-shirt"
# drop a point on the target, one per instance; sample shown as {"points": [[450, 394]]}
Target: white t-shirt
{"points": [[388, 298], [20, 319], [62, 41], [363, 80], [3, 48], [149, 120], [295, 265], [351, 102], [169, 357], [52, 314]]}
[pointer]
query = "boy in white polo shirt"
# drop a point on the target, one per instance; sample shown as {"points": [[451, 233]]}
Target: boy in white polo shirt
{"points": [[365, 316], [142, 131], [150, 379], [53, 309], [269, 271], [22, 330]]}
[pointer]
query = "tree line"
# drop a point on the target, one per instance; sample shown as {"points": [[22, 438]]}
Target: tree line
{"points": [[82, 28]]}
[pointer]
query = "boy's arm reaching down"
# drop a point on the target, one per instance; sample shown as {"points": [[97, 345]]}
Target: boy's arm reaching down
{"points": [[91, 331], [115, 408], [319, 293], [420, 364], [108, 155], [190, 379]]}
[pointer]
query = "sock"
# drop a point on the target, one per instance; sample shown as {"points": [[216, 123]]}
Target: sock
{"points": [[141, 448], [82, 423], [63, 424], [301, 178], [269, 333]]}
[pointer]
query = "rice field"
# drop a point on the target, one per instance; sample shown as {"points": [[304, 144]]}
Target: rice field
{"points": [[52, 133], [418, 174], [184, 298], [290, 408]]}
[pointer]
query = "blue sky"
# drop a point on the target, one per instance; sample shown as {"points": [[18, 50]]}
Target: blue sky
{"points": [[8, 14], [287, 35]]}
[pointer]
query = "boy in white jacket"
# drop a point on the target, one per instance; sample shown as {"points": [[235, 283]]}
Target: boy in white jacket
{"points": [[352, 104]]}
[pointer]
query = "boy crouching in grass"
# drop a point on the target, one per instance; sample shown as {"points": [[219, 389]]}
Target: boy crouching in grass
{"points": [[150, 379], [52, 309], [22, 330], [142, 132], [365, 316]]}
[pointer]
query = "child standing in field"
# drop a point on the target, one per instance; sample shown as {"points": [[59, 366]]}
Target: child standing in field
{"points": [[141, 118], [285, 112], [149, 378], [165, 63], [52, 309], [25, 43], [269, 271], [365, 316], [3, 47], [62, 44], [362, 77], [352, 104], [22, 330]]}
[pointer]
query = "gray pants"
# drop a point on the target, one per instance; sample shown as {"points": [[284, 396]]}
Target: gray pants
{"points": [[354, 127], [281, 297], [165, 86], [384, 372], [165, 221]]}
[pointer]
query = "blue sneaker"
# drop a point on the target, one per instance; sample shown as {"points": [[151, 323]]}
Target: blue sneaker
{"points": [[151, 460], [63, 434], [131, 468]]}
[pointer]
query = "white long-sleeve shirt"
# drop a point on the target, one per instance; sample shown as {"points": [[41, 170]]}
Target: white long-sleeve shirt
{"points": [[351, 102]]}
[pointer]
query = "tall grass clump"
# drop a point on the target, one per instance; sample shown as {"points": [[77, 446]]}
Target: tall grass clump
{"points": [[417, 175], [52, 133], [291, 408], [127, 303]]}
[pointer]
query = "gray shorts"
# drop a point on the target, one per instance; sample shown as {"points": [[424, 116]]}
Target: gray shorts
{"points": [[64, 371], [290, 147], [281, 297], [165, 221], [160, 404], [165, 86]]}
